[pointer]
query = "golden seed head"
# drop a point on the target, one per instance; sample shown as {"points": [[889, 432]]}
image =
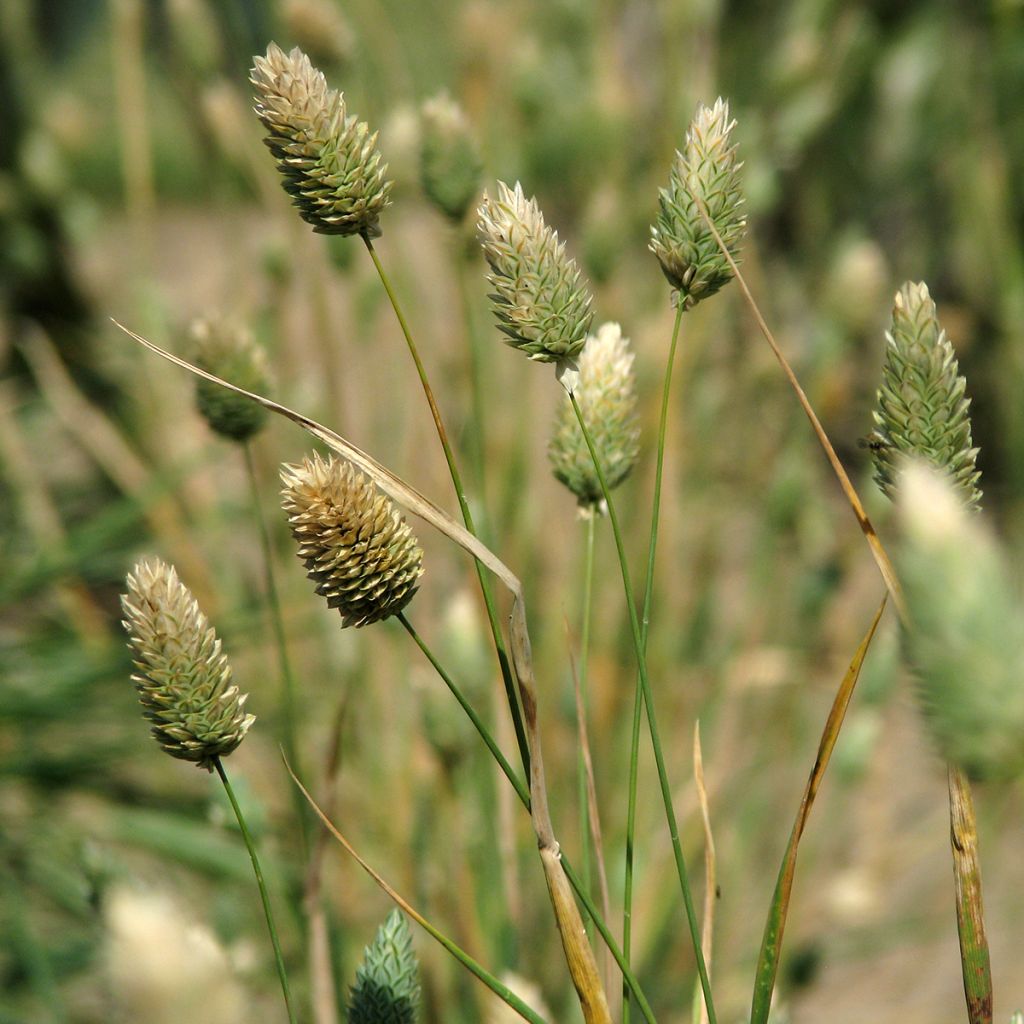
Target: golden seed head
{"points": [[607, 399], [357, 548], [182, 675], [328, 159]]}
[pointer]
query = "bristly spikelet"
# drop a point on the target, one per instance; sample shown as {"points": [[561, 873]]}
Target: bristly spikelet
{"points": [[607, 399], [357, 548], [922, 409], [705, 169], [450, 163], [229, 352], [539, 300], [387, 989], [183, 677], [328, 160], [965, 634]]}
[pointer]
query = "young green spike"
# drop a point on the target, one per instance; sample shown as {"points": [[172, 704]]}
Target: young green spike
{"points": [[704, 171], [182, 675], [328, 159], [387, 989], [922, 409]]}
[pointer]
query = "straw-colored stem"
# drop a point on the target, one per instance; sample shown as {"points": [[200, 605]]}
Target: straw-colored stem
{"points": [[264, 895], [652, 721], [634, 747], [467, 515], [581, 768]]}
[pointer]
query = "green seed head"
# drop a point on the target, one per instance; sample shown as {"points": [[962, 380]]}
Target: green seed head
{"points": [[538, 299], [387, 988], [922, 410], [450, 163], [229, 352], [704, 171], [355, 544], [965, 634], [183, 677], [607, 399], [328, 159]]}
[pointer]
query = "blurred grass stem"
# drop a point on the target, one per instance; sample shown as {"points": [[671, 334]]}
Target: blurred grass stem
{"points": [[264, 896], [584, 699], [634, 749], [659, 758], [467, 515]]}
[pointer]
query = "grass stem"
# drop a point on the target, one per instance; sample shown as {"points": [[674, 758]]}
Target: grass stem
{"points": [[581, 767]]}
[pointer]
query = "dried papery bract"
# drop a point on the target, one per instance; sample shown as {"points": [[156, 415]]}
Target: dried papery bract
{"points": [[539, 300], [607, 398], [922, 409], [387, 988], [328, 159], [966, 626], [450, 163], [357, 548], [227, 350], [706, 172], [182, 675]]}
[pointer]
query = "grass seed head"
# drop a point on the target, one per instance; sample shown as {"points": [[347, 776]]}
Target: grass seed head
{"points": [[450, 164], [704, 171], [606, 395], [229, 352], [387, 988], [539, 300], [182, 675], [328, 159], [922, 409], [357, 548]]}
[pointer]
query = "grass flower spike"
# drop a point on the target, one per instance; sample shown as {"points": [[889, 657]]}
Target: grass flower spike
{"points": [[607, 398], [183, 677], [356, 546], [227, 351], [705, 169], [538, 297], [967, 627], [387, 988], [450, 163], [328, 158], [922, 409]]}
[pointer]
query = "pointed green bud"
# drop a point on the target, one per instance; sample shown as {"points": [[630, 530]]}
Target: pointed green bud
{"points": [[705, 169], [387, 988], [965, 633], [922, 409], [328, 159], [538, 299], [450, 163], [607, 399], [229, 352], [354, 542], [183, 677]]}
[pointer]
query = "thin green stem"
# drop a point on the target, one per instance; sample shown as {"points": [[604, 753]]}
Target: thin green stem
{"points": [[581, 767], [652, 721], [264, 896], [467, 515], [524, 796], [634, 747]]}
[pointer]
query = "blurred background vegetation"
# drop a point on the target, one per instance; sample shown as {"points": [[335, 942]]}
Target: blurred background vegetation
{"points": [[881, 142]]}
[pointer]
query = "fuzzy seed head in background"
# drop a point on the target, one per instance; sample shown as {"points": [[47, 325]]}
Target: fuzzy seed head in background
{"points": [[182, 675], [357, 548], [387, 988], [965, 634], [538, 299], [706, 169], [922, 409], [328, 159], [499, 1012], [228, 351], [450, 163], [606, 394]]}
